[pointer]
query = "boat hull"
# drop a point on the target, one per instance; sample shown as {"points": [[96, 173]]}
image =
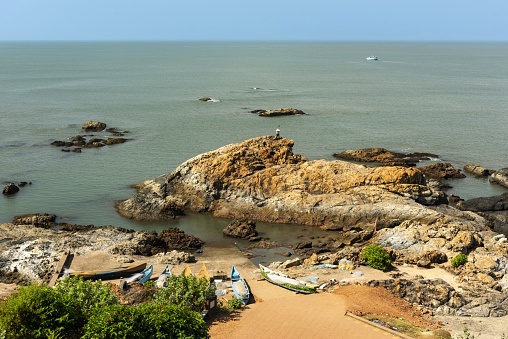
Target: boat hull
{"points": [[282, 280], [239, 285], [110, 273]]}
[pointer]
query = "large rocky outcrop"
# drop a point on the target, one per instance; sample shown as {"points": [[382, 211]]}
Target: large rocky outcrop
{"points": [[262, 179]]}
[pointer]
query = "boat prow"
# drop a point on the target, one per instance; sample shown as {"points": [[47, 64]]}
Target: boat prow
{"points": [[166, 274]]}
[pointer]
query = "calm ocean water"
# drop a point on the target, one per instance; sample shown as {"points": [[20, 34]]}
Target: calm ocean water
{"points": [[447, 99]]}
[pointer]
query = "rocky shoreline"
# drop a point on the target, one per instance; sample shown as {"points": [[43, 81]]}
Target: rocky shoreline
{"points": [[401, 208]]}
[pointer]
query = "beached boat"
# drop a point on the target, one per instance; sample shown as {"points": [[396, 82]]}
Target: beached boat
{"points": [[283, 280], [141, 277], [166, 274], [372, 57], [239, 286], [110, 273]]}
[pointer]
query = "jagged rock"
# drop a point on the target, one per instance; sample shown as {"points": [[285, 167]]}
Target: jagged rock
{"points": [[261, 179], [10, 189], [244, 229], [38, 220], [441, 170], [384, 156], [303, 244], [141, 243], [477, 170], [93, 126], [278, 112], [482, 204], [174, 257], [500, 177], [464, 241], [291, 263], [177, 239]]}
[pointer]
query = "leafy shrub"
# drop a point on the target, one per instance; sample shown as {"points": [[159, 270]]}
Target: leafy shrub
{"points": [[163, 320], [151, 320], [235, 303], [87, 294], [376, 257], [459, 260], [39, 312], [114, 321], [190, 292]]}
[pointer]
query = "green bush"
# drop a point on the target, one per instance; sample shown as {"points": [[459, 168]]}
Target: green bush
{"points": [[190, 292], [163, 320], [114, 321], [40, 312], [150, 320], [376, 257], [235, 303], [87, 294], [459, 260]]}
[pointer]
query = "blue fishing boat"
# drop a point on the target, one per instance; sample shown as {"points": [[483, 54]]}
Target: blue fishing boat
{"points": [[143, 276], [239, 285]]}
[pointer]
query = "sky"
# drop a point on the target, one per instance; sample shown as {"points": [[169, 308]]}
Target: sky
{"points": [[254, 20]]}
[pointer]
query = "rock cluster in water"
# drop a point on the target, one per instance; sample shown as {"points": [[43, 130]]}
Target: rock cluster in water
{"points": [[277, 112], [77, 143]]}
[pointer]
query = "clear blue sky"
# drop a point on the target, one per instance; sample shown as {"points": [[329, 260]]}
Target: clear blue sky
{"points": [[335, 20]]}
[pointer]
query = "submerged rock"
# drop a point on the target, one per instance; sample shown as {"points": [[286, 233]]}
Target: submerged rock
{"points": [[277, 112], [10, 189]]}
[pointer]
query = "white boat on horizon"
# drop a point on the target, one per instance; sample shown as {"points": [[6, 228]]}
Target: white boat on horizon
{"points": [[372, 57]]}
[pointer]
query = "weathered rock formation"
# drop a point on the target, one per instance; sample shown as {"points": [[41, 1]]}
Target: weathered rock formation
{"points": [[243, 229], [38, 220], [477, 170], [485, 204], [261, 179], [277, 112], [441, 170], [500, 177], [30, 253], [93, 126], [384, 156]]}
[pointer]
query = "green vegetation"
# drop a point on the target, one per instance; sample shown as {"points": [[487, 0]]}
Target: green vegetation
{"points": [[190, 292], [83, 309], [459, 260], [235, 303], [376, 257]]}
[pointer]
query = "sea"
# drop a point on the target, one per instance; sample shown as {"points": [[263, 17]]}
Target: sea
{"points": [[449, 99]]}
